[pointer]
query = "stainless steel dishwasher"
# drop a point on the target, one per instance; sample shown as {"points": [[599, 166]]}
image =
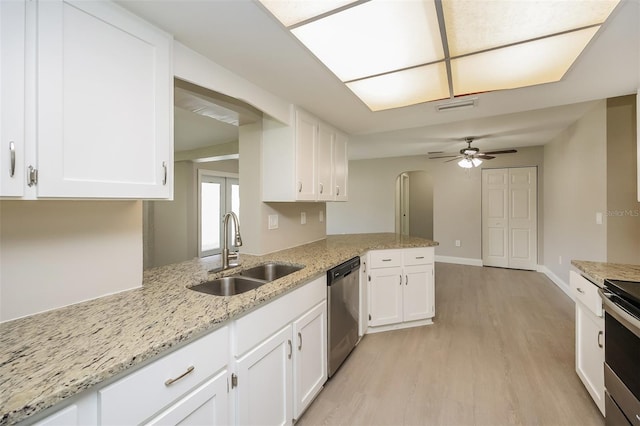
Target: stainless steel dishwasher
{"points": [[343, 294]]}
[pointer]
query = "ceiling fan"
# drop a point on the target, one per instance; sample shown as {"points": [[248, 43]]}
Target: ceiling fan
{"points": [[471, 156]]}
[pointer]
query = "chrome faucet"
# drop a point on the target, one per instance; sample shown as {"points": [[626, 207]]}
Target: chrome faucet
{"points": [[226, 256]]}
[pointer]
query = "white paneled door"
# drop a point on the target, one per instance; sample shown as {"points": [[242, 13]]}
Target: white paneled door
{"points": [[509, 218]]}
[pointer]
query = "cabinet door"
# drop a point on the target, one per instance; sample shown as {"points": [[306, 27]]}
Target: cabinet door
{"points": [[418, 292], [385, 296], [12, 94], [590, 353], [207, 405], [105, 103], [83, 411], [310, 357], [324, 164], [264, 391], [306, 141], [340, 167]]}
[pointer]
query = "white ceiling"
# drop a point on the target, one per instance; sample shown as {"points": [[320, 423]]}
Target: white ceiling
{"points": [[242, 37], [192, 131]]}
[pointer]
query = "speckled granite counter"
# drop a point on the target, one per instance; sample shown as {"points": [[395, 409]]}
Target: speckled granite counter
{"points": [[598, 271], [51, 356]]}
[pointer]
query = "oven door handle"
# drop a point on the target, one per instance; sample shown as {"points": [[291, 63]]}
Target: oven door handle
{"points": [[626, 319]]}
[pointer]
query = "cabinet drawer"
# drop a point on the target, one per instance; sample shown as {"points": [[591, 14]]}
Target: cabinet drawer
{"points": [[385, 258], [586, 292], [258, 325], [141, 394], [417, 256]]}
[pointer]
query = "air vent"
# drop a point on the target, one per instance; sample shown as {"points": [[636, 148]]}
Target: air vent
{"points": [[453, 106]]}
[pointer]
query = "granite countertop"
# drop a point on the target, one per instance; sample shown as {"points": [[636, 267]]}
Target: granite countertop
{"points": [[48, 357], [599, 271]]}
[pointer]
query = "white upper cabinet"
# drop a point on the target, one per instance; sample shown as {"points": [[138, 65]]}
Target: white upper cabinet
{"points": [[86, 102], [12, 50], [303, 162]]}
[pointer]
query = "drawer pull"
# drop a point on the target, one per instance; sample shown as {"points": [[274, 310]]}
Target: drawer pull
{"points": [[600, 333], [419, 257], [581, 291], [386, 260], [171, 381]]}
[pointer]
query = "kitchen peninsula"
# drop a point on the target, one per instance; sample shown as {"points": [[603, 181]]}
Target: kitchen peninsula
{"points": [[50, 357]]}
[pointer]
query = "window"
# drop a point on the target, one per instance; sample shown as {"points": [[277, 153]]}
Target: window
{"points": [[216, 196]]}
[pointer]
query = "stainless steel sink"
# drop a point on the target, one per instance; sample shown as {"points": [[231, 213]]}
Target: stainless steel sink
{"points": [[269, 271], [246, 280], [228, 286]]}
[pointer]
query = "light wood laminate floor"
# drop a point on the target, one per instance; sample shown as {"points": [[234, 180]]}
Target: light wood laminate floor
{"points": [[501, 352]]}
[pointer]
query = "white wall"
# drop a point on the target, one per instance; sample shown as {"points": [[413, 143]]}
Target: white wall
{"points": [[575, 180], [456, 199], [623, 208], [56, 253]]}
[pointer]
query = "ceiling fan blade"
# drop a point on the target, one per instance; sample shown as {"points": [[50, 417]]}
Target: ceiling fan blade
{"points": [[444, 156], [455, 158], [485, 156], [506, 151]]}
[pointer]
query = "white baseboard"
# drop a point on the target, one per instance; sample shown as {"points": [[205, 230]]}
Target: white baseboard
{"points": [[459, 260], [556, 280]]}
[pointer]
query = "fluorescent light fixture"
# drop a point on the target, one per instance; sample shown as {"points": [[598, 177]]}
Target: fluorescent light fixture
{"points": [[473, 25], [491, 45], [541, 61], [375, 37], [291, 12], [402, 88]]}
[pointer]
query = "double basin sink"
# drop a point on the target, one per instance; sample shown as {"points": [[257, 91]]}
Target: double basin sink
{"points": [[248, 279]]}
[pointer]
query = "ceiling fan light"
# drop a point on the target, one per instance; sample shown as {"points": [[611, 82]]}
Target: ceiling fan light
{"points": [[476, 162], [465, 163]]}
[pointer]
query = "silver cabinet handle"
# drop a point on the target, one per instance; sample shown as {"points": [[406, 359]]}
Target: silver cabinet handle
{"points": [[419, 257], [600, 333], [581, 291], [164, 178], [386, 260], [400, 279], [406, 280], [12, 159], [169, 382], [299, 186], [299, 341], [290, 349], [321, 188], [337, 190]]}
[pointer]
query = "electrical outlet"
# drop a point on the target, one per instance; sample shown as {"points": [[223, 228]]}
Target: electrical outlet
{"points": [[321, 216], [303, 218], [273, 221], [598, 218], [458, 243]]}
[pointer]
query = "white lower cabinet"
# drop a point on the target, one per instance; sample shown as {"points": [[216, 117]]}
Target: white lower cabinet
{"points": [[401, 289], [281, 357], [207, 405], [589, 337], [263, 368], [309, 357], [264, 377]]}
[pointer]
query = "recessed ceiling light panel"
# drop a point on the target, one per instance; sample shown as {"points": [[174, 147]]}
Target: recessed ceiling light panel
{"points": [[375, 37], [291, 12], [541, 61], [403, 88], [473, 25]]}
